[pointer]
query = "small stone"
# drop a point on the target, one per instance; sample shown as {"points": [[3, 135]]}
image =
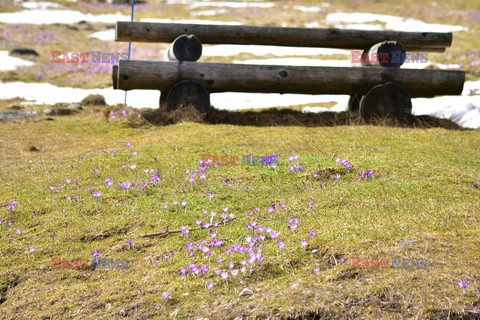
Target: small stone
{"points": [[173, 314], [58, 112], [406, 242], [238, 318], [246, 292], [122, 313], [108, 306]]}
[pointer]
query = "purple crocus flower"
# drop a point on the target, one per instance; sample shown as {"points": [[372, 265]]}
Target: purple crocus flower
{"points": [[97, 194], [184, 203], [463, 284], [342, 259], [224, 275], [9, 223], [294, 285], [18, 231], [312, 233], [95, 170], [316, 270], [303, 243], [281, 244], [184, 230], [53, 188], [209, 285], [126, 185], [184, 271], [128, 144], [31, 250], [165, 206], [310, 205], [369, 173], [166, 295], [95, 253]]}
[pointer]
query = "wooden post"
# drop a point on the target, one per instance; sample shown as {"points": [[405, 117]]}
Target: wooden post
{"points": [[293, 37], [220, 77], [115, 76], [386, 100], [184, 48], [188, 92]]}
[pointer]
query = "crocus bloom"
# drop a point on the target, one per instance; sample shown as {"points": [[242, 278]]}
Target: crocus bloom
{"points": [[184, 271], [184, 203], [463, 284], [342, 260], [369, 173], [310, 205], [280, 244], [95, 170], [209, 285], [97, 194], [128, 144], [31, 249], [478, 289], [303, 243], [184, 230], [312, 233], [9, 223], [224, 275], [234, 272], [316, 270], [18, 231], [166, 295], [133, 166], [95, 253], [165, 206], [294, 285], [210, 195], [225, 209]]}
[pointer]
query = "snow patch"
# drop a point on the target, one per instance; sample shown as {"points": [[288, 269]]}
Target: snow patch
{"points": [[224, 50], [11, 63], [339, 19]]}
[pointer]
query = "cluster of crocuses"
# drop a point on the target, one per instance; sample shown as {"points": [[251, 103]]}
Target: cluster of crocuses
{"points": [[11, 205], [365, 175], [201, 171], [463, 284], [294, 166], [344, 162], [270, 160]]}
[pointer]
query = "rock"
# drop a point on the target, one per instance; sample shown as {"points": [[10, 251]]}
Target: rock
{"points": [[15, 107], [122, 313], [75, 106], [246, 292], [238, 318], [94, 100], [406, 242], [5, 116], [173, 314], [58, 112], [24, 52]]}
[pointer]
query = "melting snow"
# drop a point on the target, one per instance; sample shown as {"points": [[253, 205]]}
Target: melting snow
{"points": [[339, 19], [223, 50], [11, 63]]}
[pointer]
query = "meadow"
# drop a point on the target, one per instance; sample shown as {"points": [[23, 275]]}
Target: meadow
{"points": [[281, 239]]}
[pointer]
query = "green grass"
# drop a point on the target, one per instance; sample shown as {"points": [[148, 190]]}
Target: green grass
{"points": [[422, 189]]}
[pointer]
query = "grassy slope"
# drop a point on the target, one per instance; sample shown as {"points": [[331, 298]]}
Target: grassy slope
{"points": [[421, 190]]}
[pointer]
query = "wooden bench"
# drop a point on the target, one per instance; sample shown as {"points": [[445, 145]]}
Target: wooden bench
{"points": [[376, 89]]}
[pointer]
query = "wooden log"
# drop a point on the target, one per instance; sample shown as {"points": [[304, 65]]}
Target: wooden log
{"points": [[387, 100], [115, 76], [184, 48], [293, 37], [390, 54], [220, 77], [354, 103], [188, 92]]}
